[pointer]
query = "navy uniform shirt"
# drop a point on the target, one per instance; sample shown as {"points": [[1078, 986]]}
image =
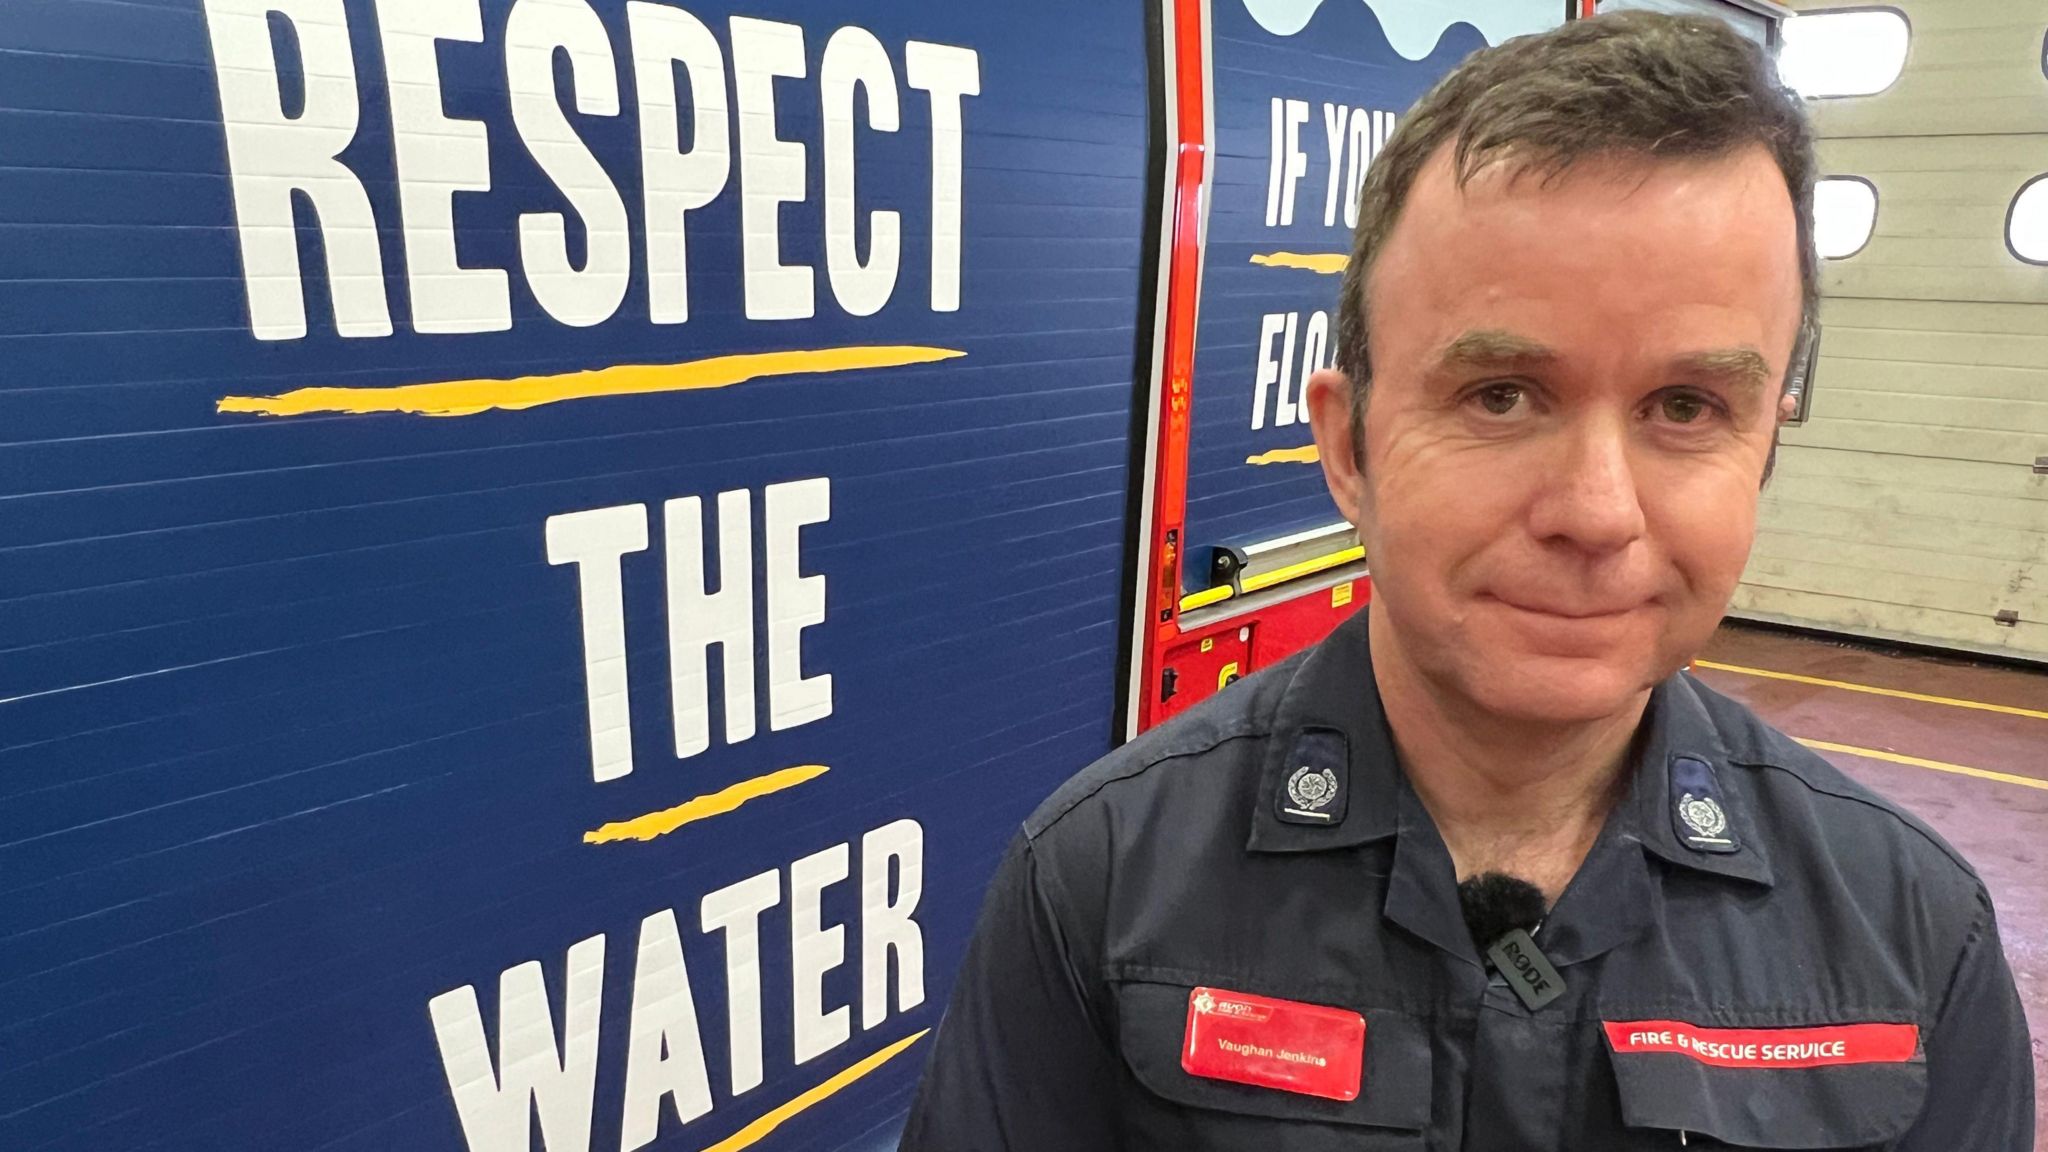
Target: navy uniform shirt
{"points": [[1741, 889]]}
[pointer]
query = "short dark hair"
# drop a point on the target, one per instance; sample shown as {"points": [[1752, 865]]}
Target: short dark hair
{"points": [[1624, 84]]}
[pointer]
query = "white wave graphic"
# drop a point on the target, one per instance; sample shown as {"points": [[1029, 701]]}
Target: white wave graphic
{"points": [[1415, 26]]}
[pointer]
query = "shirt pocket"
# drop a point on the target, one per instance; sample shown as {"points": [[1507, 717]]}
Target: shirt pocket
{"points": [[1846, 1106], [1174, 1110]]}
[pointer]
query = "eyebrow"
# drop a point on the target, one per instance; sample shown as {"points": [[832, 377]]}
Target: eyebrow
{"points": [[1743, 368], [1492, 348]]}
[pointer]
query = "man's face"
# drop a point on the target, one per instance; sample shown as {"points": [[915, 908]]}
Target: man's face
{"points": [[1574, 392]]}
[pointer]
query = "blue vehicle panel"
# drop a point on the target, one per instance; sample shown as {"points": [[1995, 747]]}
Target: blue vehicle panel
{"points": [[498, 599]]}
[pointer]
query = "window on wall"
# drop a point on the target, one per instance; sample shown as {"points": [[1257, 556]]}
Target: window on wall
{"points": [[2026, 224], [1844, 215], [1848, 52]]}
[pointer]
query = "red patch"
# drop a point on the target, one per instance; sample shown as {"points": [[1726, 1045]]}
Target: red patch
{"points": [[1283, 1044], [1768, 1047]]}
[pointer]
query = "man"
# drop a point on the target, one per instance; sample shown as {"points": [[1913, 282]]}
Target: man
{"points": [[1486, 869]]}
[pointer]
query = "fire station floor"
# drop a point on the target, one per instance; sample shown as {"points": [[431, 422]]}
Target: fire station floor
{"points": [[1963, 745]]}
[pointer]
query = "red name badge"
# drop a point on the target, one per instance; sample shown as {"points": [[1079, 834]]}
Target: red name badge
{"points": [[1282, 1044], [1768, 1047]]}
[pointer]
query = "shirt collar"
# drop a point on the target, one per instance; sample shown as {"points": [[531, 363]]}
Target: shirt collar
{"points": [[1333, 695], [1681, 750]]}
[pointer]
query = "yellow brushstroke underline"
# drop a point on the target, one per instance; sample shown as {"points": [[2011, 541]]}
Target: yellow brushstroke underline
{"points": [[1306, 454], [1917, 762], [468, 397], [1895, 693], [1327, 263], [747, 1137], [704, 807]]}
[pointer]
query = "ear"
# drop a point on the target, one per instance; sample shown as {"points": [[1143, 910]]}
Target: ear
{"points": [[1788, 407], [1329, 413]]}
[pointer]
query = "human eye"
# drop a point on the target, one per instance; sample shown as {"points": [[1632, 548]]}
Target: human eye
{"points": [[1687, 408], [1501, 399]]}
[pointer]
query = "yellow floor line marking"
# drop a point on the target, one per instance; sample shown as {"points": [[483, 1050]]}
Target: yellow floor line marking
{"points": [[468, 397], [750, 1135], [704, 807], [1327, 263], [1917, 762], [2007, 709], [1306, 454]]}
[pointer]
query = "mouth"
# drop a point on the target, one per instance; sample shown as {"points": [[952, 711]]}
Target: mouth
{"points": [[1573, 612]]}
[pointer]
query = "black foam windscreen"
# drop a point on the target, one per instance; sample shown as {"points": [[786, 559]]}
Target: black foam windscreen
{"points": [[1495, 903]]}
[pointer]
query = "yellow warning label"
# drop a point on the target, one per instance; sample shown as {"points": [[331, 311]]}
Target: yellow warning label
{"points": [[1341, 594], [1208, 644], [1226, 675]]}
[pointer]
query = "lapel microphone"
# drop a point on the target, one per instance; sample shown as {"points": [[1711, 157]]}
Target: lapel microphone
{"points": [[1501, 911]]}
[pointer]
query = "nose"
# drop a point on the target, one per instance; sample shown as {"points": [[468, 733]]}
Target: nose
{"points": [[1589, 501]]}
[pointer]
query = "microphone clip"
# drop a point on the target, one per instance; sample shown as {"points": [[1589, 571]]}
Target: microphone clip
{"points": [[1528, 971]]}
